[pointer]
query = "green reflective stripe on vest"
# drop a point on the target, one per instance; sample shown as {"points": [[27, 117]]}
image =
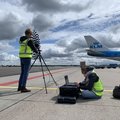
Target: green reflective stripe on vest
{"points": [[98, 88], [25, 51]]}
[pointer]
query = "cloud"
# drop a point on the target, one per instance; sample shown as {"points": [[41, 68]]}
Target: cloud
{"points": [[76, 44], [42, 5], [72, 44], [62, 43], [7, 53], [41, 23], [10, 27], [7, 57], [53, 6], [51, 53], [4, 46], [88, 24], [12, 2]]}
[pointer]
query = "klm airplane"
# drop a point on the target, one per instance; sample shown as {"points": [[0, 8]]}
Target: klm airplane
{"points": [[97, 49]]}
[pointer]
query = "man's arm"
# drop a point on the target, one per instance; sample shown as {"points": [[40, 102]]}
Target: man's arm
{"points": [[32, 46]]}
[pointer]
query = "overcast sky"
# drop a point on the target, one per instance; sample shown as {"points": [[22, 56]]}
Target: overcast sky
{"points": [[61, 25]]}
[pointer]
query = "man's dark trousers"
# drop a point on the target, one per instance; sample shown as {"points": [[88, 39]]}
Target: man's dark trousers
{"points": [[25, 65]]}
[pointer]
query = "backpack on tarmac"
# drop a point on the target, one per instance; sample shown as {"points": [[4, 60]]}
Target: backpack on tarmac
{"points": [[116, 92]]}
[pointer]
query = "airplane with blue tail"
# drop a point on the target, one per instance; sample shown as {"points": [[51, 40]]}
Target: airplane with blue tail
{"points": [[97, 49]]}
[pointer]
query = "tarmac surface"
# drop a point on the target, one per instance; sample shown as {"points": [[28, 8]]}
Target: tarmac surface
{"points": [[10, 70], [37, 105]]}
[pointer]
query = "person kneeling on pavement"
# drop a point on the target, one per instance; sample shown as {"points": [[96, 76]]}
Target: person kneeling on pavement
{"points": [[91, 87]]}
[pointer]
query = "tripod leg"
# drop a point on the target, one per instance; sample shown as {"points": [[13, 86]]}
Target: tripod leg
{"points": [[33, 63], [43, 74], [49, 71]]}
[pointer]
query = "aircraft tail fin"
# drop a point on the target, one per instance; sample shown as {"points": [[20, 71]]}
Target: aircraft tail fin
{"points": [[94, 44]]}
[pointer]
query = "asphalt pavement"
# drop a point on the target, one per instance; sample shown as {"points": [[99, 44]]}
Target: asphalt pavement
{"points": [[37, 105]]}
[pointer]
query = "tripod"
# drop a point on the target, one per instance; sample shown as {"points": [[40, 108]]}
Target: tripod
{"points": [[39, 56]]}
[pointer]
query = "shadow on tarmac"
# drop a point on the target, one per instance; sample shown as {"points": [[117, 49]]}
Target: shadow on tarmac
{"points": [[79, 100], [7, 93], [54, 98]]}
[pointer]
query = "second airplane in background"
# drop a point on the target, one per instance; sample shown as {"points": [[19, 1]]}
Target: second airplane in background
{"points": [[97, 49]]}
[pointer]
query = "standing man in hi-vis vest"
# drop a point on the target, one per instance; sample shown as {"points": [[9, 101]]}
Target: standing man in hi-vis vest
{"points": [[25, 53], [92, 87]]}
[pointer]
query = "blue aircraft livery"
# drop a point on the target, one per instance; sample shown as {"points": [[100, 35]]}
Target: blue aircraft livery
{"points": [[97, 49]]}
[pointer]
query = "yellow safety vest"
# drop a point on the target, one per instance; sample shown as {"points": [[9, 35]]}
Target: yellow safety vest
{"points": [[98, 88], [24, 50]]}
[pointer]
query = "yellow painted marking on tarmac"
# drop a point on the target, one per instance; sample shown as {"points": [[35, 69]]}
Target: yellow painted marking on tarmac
{"points": [[7, 87], [108, 90], [34, 88], [38, 88]]}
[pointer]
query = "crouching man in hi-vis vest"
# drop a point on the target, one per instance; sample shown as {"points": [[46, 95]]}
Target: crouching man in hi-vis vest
{"points": [[92, 87], [25, 53]]}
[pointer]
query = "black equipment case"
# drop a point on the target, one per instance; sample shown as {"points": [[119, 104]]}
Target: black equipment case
{"points": [[66, 99], [69, 90]]}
